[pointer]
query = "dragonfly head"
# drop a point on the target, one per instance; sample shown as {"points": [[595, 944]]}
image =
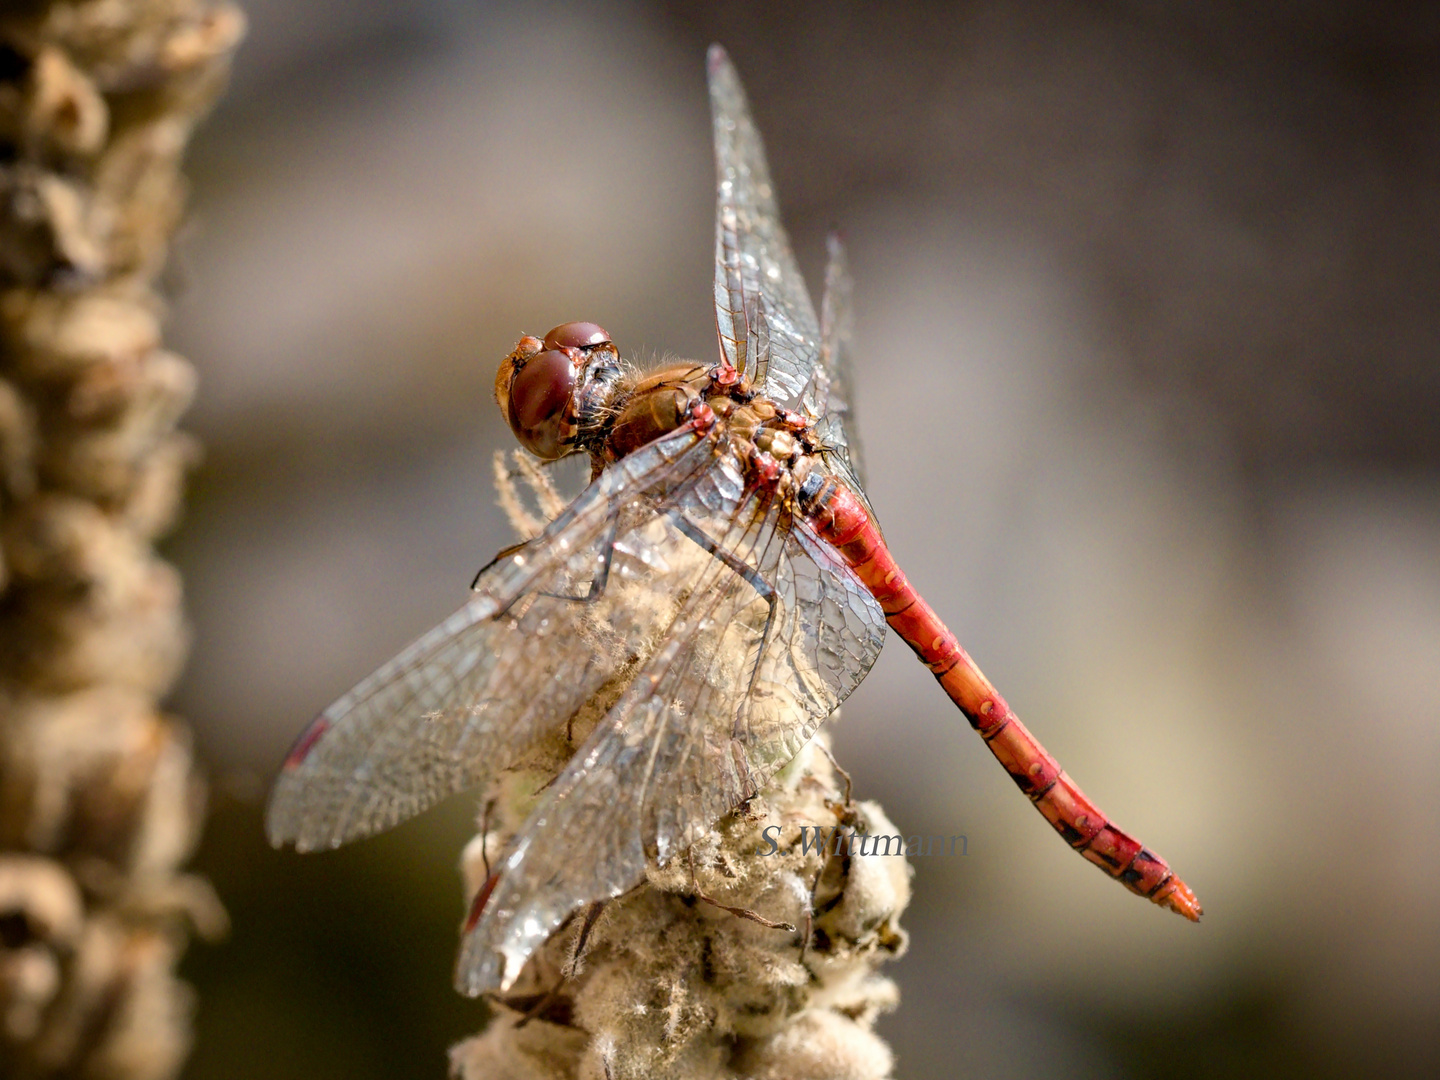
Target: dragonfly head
{"points": [[541, 384]]}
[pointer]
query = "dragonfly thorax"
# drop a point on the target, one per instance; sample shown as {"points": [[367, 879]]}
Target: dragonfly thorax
{"points": [[569, 393]]}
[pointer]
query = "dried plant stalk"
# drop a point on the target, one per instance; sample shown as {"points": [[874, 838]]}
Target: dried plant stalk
{"points": [[100, 802], [755, 957]]}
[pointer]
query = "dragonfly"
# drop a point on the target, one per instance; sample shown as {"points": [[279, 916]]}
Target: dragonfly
{"points": [[686, 623]]}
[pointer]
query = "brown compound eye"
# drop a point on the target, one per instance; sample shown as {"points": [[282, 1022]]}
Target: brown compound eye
{"points": [[539, 393], [527, 347], [576, 335]]}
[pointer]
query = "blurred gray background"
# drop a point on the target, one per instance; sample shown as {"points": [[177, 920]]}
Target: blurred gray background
{"points": [[1147, 334]]}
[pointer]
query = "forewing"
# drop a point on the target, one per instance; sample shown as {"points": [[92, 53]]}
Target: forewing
{"points": [[830, 395], [759, 291], [735, 689], [466, 699]]}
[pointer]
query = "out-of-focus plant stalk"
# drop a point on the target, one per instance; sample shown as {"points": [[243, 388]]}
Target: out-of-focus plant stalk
{"points": [[99, 799]]}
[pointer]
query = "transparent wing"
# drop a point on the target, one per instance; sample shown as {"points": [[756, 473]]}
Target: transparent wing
{"points": [[773, 633], [830, 395], [763, 312], [518, 661]]}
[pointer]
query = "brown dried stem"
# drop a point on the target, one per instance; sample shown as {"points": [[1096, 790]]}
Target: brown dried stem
{"points": [[99, 799]]}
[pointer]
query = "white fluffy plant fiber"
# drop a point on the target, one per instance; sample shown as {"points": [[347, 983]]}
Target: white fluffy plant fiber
{"points": [[671, 985]]}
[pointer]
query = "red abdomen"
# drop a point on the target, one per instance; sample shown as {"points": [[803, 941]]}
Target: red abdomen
{"points": [[840, 519]]}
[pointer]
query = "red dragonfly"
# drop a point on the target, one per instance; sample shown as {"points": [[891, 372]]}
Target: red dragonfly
{"points": [[689, 620]]}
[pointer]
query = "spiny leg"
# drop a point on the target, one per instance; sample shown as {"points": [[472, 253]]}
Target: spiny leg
{"points": [[592, 915], [503, 553], [597, 584], [752, 576], [739, 912], [834, 764]]}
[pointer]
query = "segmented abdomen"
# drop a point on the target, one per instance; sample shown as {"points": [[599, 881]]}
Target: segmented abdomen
{"points": [[842, 521]]}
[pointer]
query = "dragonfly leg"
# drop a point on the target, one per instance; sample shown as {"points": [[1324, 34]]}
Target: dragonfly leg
{"points": [[809, 931], [503, 553], [602, 571], [541, 1003], [552, 996], [846, 816], [838, 768], [597, 583], [811, 911], [592, 915], [756, 581], [739, 912]]}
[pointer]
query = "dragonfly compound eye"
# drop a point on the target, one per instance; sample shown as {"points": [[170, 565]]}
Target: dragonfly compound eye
{"points": [[539, 394], [576, 335]]}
